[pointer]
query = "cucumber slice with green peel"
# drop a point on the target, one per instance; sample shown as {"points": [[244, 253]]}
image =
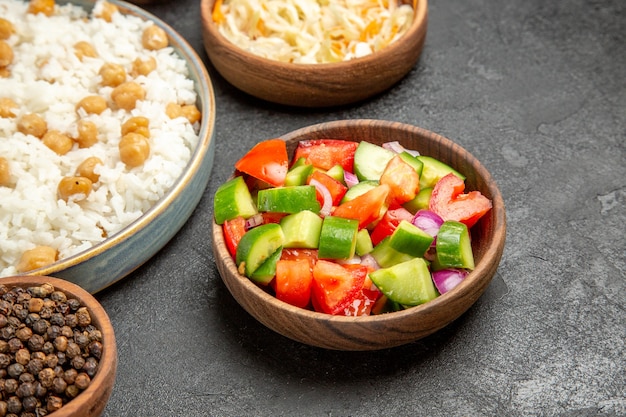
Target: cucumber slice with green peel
{"points": [[291, 199], [386, 256], [298, 175], [338, 238], [266, 272], [359, 189], [364, 243], [420, 202], [413, 161], [453, 247], [233, 199], [337, 172], [410, 239], [301, 230], [434, 170], [256, 246], [370, 161], [408, 283]]}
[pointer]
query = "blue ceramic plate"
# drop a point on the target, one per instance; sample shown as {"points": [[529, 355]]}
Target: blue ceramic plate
{"points": [[117, 256]]}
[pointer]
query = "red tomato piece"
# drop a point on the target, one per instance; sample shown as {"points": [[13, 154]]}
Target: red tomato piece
{"points": [[365, 301], [336, 189], [449, 202], [390, 221], [335, 286], [293, 281], [298, 253], [266, 161], [326, 153], [366, 208], [272, 217], [402, 179], [233, 231]]}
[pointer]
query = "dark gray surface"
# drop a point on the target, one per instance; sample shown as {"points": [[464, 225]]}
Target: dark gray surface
{"points": [[536, 90]]}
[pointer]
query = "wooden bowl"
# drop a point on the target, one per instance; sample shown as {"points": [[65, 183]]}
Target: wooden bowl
{"points": [[391, 329], [314, 85], [92, 401]]}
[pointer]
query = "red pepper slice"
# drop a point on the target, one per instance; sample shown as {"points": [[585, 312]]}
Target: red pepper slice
{"points": [[266, 161], [335, 286], [326, 153], [367, 207], [336, 189], [402, 179], [449, 202], [389, 222], [293, 281], [233, 231]]}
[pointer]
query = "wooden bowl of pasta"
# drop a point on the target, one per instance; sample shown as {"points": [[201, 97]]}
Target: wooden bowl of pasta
{"points": [[328, 70]]}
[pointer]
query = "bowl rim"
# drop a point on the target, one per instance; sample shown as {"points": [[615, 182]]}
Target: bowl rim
{"points": [[420, 20], [490, 257], [205, 97], [107, 364]]}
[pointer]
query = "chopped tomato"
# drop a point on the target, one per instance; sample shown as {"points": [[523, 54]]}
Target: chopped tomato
{"points": [[298, 253], [233, 231], [336, 287], [390, 221], [272, 217], [266, 161], [402, 179], [449, 202], [336, 189], [293, 281], [365, 301], [326, 153], [366, 208]]}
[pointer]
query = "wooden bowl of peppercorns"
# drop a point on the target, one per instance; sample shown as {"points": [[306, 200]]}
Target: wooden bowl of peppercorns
{"points": [[57, 349]]}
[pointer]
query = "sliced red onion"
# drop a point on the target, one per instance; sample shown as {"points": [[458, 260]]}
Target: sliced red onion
{"points": [[447, 279], [396, 147], [254, 221], [428, 221], [350, 179], [355, 260], [327, 198], [369, 261]]}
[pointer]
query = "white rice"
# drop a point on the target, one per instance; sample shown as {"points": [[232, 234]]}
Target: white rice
{"points": [[30, 212]]}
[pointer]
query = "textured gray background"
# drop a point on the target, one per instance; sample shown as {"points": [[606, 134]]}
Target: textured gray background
{"points": [[537, 91]]}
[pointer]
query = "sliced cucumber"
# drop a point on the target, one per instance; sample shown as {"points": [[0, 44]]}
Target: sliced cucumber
{"points": [[453, 247], [336, 172], [301, 230], [364, 243], [434, 170], [338, 238], [359, 189], [256, 246], [413, 161], [266, 272], [386, 256], [370, 161], [288, 199], [298, 175], [408, 283], [420, 202], [410, 239], [233, 199]]}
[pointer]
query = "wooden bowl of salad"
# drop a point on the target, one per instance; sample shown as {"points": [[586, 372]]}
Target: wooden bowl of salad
{"points": [[358, 234], [285, 54]]}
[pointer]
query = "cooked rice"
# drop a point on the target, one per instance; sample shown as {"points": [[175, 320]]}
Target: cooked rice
{"points": [[48, 79]]}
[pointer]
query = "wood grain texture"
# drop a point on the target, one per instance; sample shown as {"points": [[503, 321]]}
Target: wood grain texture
{"points": [[314, 85], [392, 329], [92, 401]]}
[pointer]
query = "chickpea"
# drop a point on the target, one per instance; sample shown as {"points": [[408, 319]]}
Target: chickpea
{"points": [[143, 66], [6, 107], [57, 141], [6, 54], [92, 104], [37, 257], [5, 172], [87, 167], [191, 113], [137, 124], [108, 10], [153, 38], [87, 133], [84, 49], [76, 187], [126, 95], [41, 6], [32, 124], [173, 110], [6, 28], [134, 149], [112, 74]]}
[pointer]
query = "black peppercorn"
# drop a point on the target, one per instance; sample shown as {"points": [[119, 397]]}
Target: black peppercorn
{"points": [[91, 366], [26, 389], [15, 344], [5, 360], [14, 405], [58, 385], [29, 404], [10, 385], [36, 343], [57, 319], [15, 370], [40, 327]]}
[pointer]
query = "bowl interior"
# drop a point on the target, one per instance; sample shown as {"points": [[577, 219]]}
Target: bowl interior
{"points": [[92, 401], [107, 262], [391, 329], [314, 85]]}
